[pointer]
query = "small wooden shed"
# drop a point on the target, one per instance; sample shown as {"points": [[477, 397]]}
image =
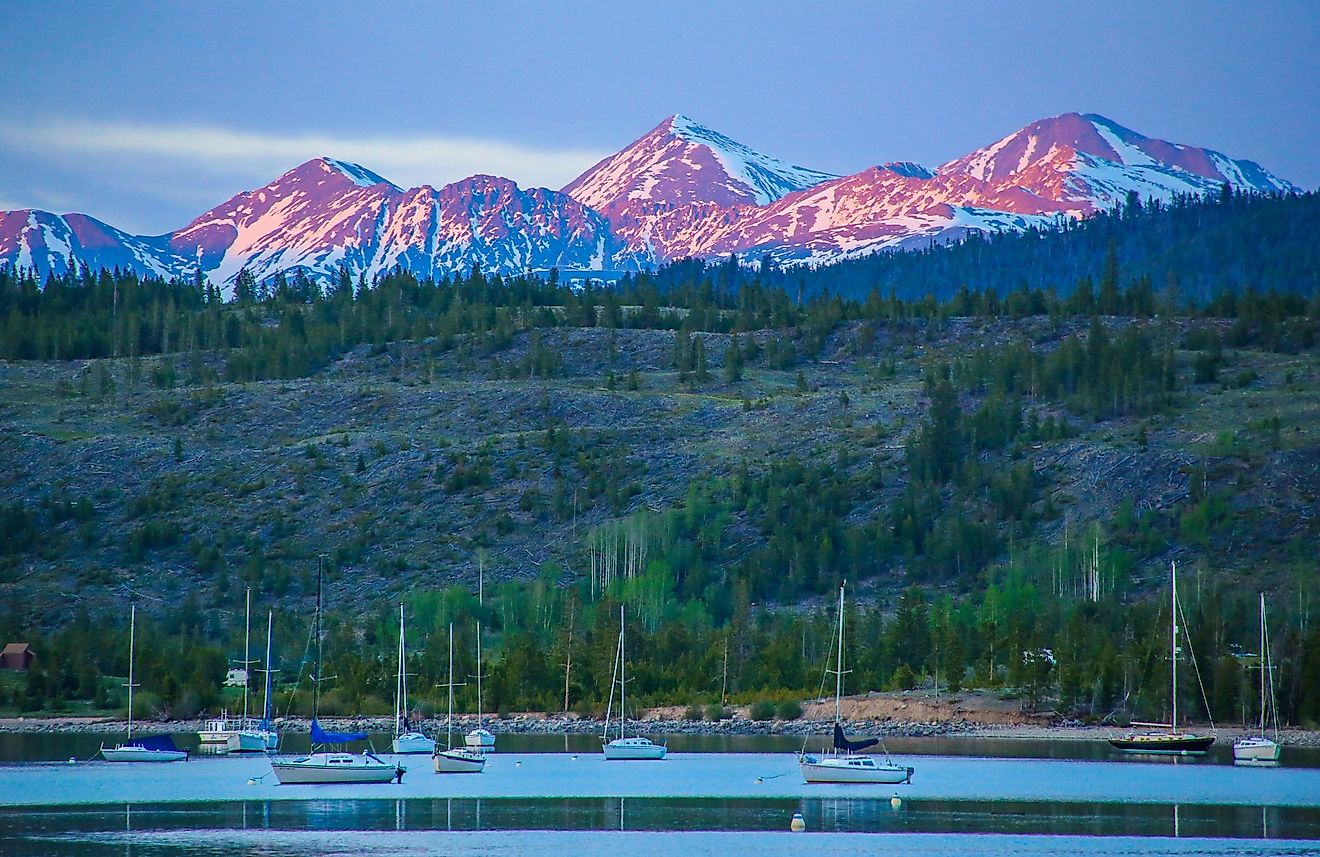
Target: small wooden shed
{"points": [[17, 656]]}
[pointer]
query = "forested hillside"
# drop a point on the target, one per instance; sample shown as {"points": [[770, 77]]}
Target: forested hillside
{"points": [[998, 474]]}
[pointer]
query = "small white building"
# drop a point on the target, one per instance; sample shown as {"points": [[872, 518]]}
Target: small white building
{"points": [[237, 677]]}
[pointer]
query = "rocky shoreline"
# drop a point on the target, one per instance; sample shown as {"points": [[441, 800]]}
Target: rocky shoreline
{"points": [[559, 724]]}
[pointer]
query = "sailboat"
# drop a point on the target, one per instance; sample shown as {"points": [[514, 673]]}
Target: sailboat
{"points": [[406, 739], [267, 727], [480, 738], [151, 748], [455, 760], [329, 766], [245, 735], [844, 761], [1259, 749], [623, 747], [1174, 742]]}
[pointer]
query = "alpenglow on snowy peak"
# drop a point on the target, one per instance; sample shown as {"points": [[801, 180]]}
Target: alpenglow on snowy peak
{"points": [[657, 191], [681, 190]]}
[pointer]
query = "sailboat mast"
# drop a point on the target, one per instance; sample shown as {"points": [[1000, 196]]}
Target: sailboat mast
{"points": [[449, 717], [270, 625], [1173, 645], [623, 677], [1262, 663], [132, 635], [247, 649], [479, 714], [316, 678], [398, 680], [838, 667]]}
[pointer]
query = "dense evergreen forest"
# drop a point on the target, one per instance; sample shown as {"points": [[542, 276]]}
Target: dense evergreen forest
{"points": [[1189, 249], [961, 579]]}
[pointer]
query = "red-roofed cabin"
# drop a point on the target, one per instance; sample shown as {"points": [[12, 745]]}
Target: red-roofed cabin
{"points": [[16, 656]]}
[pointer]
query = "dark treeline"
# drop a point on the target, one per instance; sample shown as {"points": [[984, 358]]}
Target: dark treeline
{"points": [[292, 326], [1189, 249], [1090, 658]]}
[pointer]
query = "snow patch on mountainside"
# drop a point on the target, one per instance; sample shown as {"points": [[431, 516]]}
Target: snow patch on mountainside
{"points": [[768, 178]]}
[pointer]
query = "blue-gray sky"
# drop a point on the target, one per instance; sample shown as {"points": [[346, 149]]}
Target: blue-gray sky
{"points": [[146, 114]]}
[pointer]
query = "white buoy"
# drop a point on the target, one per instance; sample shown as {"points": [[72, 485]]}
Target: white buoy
{"points": [[798, 824], [518, 764], [252, 781], [575, 757], [72, 761], [760, 779], [895, 801]]}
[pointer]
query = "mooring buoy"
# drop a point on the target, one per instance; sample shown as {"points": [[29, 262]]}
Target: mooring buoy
{"points": [[798, 824]]}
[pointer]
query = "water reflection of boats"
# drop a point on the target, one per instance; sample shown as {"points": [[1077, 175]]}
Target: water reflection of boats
{"points": [[844, 762], [1173, 742], [150, 748], [1259, 750], [331, 766]]}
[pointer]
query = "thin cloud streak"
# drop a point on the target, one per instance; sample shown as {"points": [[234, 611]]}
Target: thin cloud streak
{"points": [[406, 161]]}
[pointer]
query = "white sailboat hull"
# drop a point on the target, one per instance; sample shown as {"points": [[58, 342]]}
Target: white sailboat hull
{"points": [[479, 739], [1256, 750], [141, 754], [625, 749], [323, 768], [458, 761], [414, 742], [851, 769]]}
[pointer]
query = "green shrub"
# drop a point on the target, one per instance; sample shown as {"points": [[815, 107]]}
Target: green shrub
{"points": [[789, 709], [716, 712], [763, 710], [693, 712], [903, 679]]}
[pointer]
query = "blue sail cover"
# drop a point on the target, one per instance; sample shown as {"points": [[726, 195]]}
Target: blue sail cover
{"points": [[154, 742], [320, 736]]}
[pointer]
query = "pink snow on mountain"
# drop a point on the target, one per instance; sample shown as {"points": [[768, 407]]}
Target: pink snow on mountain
{"points": [[680, 190]]}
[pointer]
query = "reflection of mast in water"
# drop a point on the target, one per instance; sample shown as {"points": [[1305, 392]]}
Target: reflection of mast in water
{"points": [[449, 814], [620, 814], [1176, 827], [1264, 823], [398, 815]]}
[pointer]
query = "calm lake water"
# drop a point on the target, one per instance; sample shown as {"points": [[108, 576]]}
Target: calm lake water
{"points": [[714, 795]]}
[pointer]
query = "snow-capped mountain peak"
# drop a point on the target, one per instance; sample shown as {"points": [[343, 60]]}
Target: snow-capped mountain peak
{"points": [[680, 190], [681, 165], [356, 173], [768, 178], [1091, 159]]}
